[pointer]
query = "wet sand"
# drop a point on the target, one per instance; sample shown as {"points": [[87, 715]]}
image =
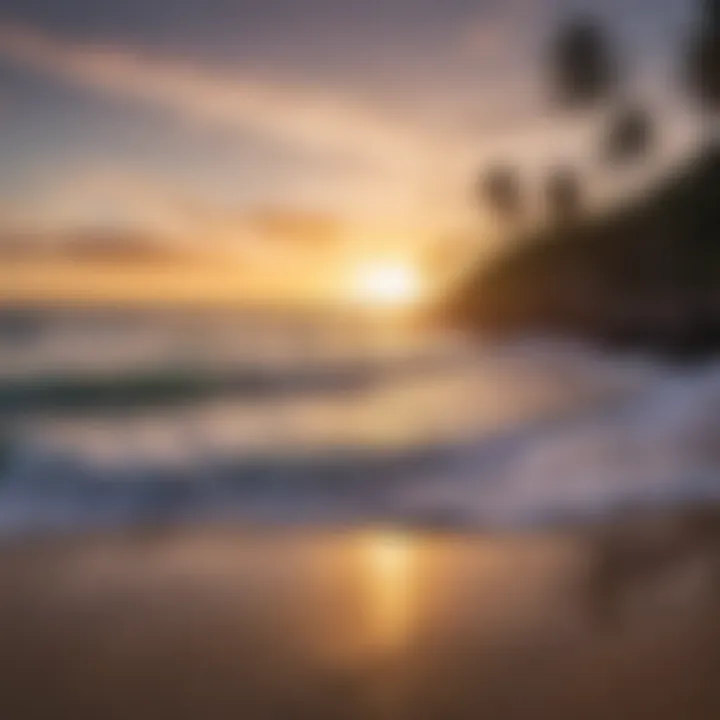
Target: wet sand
{"points": [[223, 623]]}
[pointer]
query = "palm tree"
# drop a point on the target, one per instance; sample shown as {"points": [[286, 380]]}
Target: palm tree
{"points": [[583, 74], [703, 80], [582, 64], [630, 136], [500, 189], [711, 13], [563, 194], [703, 62]]}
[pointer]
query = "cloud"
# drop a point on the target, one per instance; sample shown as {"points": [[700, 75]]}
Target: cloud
{"points": [[115, 211], [413, 165], [298, 119]]}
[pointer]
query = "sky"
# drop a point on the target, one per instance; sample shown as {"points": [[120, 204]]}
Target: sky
{"points": [[217, 124]]}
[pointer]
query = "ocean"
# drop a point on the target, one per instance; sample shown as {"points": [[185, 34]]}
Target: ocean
{"points": [[116, 417]]}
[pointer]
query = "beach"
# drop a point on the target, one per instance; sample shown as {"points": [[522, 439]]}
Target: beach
{"points": [[385, 622], [335, 529]]}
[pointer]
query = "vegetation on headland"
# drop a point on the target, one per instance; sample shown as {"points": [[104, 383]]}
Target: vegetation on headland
{"points": [[647, 274], [644, 274]]}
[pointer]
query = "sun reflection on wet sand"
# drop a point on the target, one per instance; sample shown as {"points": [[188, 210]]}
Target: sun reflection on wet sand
{"points": [[389, 563], [383, 624]]}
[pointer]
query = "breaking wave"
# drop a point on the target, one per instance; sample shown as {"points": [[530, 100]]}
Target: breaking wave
{"points": [[479, 436]]}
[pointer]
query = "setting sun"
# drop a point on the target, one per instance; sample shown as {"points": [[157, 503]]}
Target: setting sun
{"points": [[387, 283]]}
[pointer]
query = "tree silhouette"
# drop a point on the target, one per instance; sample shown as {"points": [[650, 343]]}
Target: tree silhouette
{"points": [[629, 137], [500, 189], [583, 73], [710, 13], [704, 58], [682, 218], [563, 194], [583, 68]]}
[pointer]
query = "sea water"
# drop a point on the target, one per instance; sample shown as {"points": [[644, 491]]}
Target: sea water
{"points": [[138, 416]]}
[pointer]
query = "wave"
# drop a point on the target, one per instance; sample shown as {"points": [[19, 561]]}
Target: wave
{"points": [[656, 442], [167, 386]]}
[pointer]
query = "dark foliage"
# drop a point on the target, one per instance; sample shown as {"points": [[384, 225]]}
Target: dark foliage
{"points": [[563, 194], [584, 71], [711, 14], [630, 136], [500, 189], [645, 275], [704, 67]]}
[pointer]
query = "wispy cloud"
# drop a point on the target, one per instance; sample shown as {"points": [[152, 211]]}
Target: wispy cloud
{"points": [[298, 119]]}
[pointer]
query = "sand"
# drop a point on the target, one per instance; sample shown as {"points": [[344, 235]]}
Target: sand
{"points": [[208, 623]]}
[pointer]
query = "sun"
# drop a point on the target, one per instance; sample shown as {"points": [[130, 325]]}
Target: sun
{"points": [[388, 283]]}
